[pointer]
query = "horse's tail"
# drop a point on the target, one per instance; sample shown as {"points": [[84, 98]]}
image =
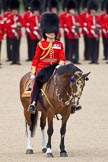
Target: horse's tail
{"points": [[34, 118]]}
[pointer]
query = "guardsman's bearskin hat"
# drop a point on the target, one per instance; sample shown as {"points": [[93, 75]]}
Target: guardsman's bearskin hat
{"points": [[49, 24], [106, 7], [71, 4], [64, 4], [7, 5], [46, 4], [35, 5], [92, 5], [53, 4], [14, 4], [84, 3], [103, 4]]}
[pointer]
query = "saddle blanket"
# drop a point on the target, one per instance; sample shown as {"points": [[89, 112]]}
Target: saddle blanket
{"points": [[28, 89]]}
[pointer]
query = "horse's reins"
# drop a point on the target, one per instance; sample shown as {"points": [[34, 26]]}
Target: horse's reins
{"points": [[66, 103]]}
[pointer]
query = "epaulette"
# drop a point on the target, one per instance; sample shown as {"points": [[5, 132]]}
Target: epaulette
{"points": [[49, 46]]}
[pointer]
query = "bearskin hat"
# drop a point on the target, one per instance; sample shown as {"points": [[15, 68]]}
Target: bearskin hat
{"points": [[106, 7], [49, 24], [53, 4], [103, 4], [92, 4], [84, 3], [64, 4], [71, 4], [14, 4], [7, 5], [46, 4], [35, 5]]}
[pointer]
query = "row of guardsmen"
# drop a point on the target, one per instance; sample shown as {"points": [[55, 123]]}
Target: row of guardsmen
{"points": [[88, 24]]}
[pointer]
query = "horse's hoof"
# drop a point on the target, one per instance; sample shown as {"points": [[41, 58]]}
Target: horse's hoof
{"points": [[63, 154], [29, 151], [44, 150], [50, 155]]}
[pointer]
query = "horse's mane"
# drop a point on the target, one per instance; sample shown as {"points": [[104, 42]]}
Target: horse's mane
{"points": [[68, 69]]}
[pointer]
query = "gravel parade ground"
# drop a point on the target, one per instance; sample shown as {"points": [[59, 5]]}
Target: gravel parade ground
{"points": [[87, 130]]}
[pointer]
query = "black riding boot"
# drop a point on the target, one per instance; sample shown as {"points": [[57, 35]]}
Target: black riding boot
{"points": [[32, 107]]}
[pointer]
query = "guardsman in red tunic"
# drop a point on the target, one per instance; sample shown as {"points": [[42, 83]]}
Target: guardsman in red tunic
{"points": [[1, 34], [26, 18], [84, 16], [74, 26], [48, 52], [34, 22], [103, 15], [8, 41], [14, 25], [94, 27], [105, 29], [63, 27]]}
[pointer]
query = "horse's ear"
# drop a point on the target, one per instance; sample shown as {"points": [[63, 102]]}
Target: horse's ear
{"points": [[86, 76]]}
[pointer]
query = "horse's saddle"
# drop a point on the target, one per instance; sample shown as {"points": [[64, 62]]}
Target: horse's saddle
{"points": [[28, 89]]}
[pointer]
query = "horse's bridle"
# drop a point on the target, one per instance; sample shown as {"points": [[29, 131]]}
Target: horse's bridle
{"points": [[79, 86], [74, 97]]}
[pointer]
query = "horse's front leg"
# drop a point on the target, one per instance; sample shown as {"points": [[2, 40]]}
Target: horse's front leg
{"points": [[29, 141], [49, 132], [42, 125], [63, 152]]}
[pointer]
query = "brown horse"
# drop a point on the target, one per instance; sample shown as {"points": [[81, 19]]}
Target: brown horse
{"points": [[62, 92]]}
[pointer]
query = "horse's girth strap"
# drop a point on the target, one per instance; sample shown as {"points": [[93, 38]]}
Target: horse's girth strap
{"points": [[43, 93]]}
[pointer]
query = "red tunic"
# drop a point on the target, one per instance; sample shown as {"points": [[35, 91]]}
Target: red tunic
{"points": [[5, 19], [14, 25], [92, 21], [71, 25], [1, 28], [105, 26], [63, 25], [84, 17], [34, 27], [26, 18], [103, 20], [44, 58]]}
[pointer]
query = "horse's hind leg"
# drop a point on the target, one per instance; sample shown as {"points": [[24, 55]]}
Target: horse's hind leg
{"points": [[42, 125], [29, 141]]}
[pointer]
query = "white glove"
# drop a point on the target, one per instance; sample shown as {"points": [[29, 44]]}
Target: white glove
{"points": [[32, 77], [58, 66]]}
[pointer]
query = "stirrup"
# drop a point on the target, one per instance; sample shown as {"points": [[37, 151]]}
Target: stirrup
{"points": [[32, 108]]}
